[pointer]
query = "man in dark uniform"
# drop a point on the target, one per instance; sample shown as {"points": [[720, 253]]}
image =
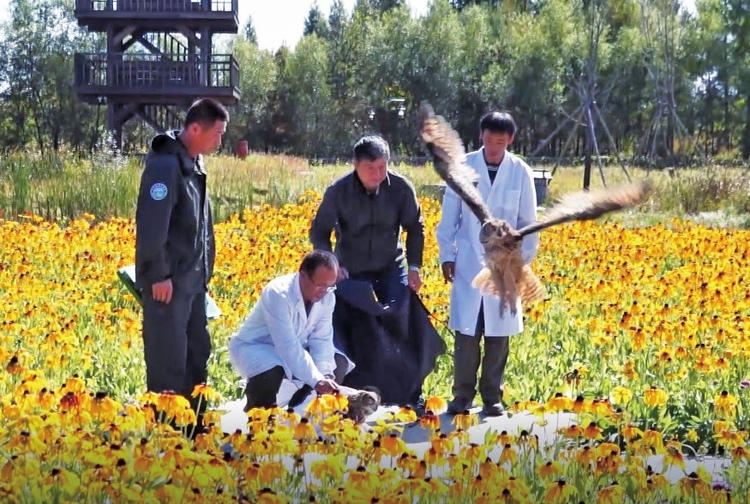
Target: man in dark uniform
{"points": [[174, 251]]}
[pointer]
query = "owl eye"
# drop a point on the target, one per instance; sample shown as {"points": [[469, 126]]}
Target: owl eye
{"points": [[369, 401], [487, 229]]}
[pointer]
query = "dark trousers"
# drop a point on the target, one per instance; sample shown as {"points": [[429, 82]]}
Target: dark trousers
{"points": [[388, 284], [261, 390], [466, 358], [176, 343]]}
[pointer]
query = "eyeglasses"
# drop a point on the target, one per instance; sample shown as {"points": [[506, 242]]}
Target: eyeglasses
{"points": [[320, 287]]}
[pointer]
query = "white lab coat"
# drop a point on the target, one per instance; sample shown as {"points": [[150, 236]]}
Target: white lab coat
{"points": [[278, 332], [512, 197]]}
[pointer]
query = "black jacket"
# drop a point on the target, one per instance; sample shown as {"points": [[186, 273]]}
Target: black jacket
{"points": [[174, 229], [368, 226]]}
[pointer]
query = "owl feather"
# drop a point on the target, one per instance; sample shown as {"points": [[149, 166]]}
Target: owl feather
{"points": [[505, 274]]}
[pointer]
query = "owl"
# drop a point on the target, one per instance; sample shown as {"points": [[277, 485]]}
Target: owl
{"points": [[504, 274], [362, 404]]}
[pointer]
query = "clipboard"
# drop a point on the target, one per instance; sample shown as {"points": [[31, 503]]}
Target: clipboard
{"points": [[126, 274]]}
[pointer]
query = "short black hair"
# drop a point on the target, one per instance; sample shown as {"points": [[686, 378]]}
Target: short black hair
{"points": [[206, 112], [313, 260], [497, 122], [371, 147]]}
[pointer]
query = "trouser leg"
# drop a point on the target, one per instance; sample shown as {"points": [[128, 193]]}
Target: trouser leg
{"points": [[262, 389], [496, 351], [389, 284], [165, 341], [198, 350], [465, 366]]}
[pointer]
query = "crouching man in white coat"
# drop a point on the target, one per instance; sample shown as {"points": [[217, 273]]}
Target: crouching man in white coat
{"points": [[507, 185], [289, 334]]}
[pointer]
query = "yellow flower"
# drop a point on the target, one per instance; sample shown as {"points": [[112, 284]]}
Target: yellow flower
{"points": [[612, 494], [559, 492], [305, 430], [63, 479], [560, 403], [332, 467], [207, 393], [725, 404], [464, 421], [655, 397], [550, 469], [693, 486], [430, 421], [621, 395], [435, 404], [393, 445], [593, 431]]}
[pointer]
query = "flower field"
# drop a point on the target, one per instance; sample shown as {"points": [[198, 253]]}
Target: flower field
{"points": [[644, 336]]}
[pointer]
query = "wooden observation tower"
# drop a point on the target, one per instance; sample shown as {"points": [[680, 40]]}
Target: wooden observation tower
{"points": [[159, 59]]}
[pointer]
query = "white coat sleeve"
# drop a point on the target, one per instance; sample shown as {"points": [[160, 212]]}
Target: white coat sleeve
{"points": [[320, 341], [285, 340], [450, 220], [527, 215]]}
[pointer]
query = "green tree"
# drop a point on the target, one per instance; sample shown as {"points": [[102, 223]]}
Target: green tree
{"points": [[315, 22], [36, 70], [253, 114], [248, 31], [307, 74]]}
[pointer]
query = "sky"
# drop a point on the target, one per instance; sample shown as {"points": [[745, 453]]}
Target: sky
{"points": [[279, 22], [282, 21]]}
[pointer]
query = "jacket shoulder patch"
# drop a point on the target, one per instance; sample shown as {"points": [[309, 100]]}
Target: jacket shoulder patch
{"points": [[158, 191]]}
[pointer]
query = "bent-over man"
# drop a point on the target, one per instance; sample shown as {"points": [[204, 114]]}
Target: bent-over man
{"points": [[289, 333]]}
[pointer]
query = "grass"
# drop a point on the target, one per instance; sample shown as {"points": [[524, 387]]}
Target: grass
{"points": [[62, 188]]}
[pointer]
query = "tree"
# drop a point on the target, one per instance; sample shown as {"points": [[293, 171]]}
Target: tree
{"points": [[315, 23], [252, 115], [36, 73], [386, 5], [248, 31]]}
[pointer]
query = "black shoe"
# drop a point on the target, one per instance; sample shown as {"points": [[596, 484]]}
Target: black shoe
{"points": [[420, 407], [493, 409], [457, 406]]}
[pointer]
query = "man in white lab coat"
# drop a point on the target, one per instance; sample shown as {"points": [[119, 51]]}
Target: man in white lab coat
{"points": [[507, 185], [289, 334]]}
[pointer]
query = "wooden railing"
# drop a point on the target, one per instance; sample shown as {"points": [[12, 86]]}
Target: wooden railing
{"points": [[84, 6], [155, 71]]}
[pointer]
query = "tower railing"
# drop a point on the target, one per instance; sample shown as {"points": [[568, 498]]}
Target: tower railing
{"points": [[84, 6]]}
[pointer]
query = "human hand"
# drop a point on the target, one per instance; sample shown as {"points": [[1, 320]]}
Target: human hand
{"points": [[449, 271], [162, 291], [342, 274], [326, 386], [415, 282]]}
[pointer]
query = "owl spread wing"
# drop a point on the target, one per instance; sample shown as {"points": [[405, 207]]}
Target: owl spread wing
{"points": [[448, 157], [505, 275], [588, 205]]}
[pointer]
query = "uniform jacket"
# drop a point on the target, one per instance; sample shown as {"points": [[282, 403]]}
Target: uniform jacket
{"points": [[278, 332], [174, 229], [368, 226], [512, 198]]}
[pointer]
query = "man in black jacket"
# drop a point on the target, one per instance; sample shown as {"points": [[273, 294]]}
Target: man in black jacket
{"points": [[174, 251], [368, 208]]}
